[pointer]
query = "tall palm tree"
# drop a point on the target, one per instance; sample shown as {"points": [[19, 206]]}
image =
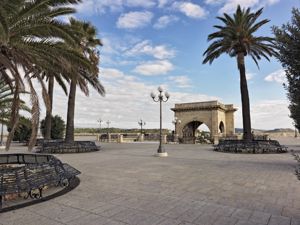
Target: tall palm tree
{"points": [[237, 39], [51, 78], [88, 48], [32, 41]]}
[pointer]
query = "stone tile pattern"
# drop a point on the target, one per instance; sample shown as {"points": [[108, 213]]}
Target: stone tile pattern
{"points": [[124, 184]]}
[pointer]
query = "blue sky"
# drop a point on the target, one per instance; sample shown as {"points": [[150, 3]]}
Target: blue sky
{"points": [[147, 43]]}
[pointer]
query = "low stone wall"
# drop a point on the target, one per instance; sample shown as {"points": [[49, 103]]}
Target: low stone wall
{"points": [[54, 147], [254, 146]]}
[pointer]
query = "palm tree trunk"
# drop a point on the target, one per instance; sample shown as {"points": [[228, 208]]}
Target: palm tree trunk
{"points": [[49, 110], [71, 111], [245, 98], [14, 117]]}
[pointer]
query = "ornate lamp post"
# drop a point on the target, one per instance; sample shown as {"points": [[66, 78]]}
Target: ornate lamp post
{"points": [[108, 122], [100, 121], [141, 123], [175, 122], [163, 96]]}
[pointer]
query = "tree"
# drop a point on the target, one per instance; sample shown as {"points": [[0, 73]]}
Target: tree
{"points": [[32, 41], [57, 127], [23, 131], [88, 44], [6, 102], [288, 42], [236, 38]]}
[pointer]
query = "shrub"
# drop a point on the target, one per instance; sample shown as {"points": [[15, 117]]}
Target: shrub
{"points": [[23, 132], [58, 127]]}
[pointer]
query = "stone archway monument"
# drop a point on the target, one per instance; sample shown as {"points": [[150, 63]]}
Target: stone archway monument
{"points": [[219, 118]]}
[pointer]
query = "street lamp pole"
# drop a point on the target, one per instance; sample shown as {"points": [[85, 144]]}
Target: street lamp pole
{"points": [[108, 122], [141, 123], [163, 96], [99, 121]]}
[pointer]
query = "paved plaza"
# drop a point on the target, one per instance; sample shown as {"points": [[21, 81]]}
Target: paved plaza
{"points": [[124, 184]]}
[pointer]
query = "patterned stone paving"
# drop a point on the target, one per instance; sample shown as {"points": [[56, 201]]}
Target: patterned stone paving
{"points": [[124, 184]]}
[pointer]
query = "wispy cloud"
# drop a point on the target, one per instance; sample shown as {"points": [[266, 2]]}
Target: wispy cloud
{"points": [[277, 76], [190, 9], [264, 112], [249, 76], [133, 20], [146, 48], [90, 7], [163, 3], [127, 100], [229, 6], [140, 3], [180, 81], [164, 21], [214, 2], [154, 68]]}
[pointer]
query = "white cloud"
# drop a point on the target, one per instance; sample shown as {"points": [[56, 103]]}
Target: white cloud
{"points": [[213, 2], [145, 47], [249, 76], [277, 76], [126, 101], [154, 68], [99, 6], [180, 81], [102, 6], [164, 21], [190, 9], [267, 114], [110, 73], [229, 6], [134, 20], [140, 3], [162, 3]]}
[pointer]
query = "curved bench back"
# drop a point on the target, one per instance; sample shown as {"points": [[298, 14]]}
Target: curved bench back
{"points": [[20, 158]]}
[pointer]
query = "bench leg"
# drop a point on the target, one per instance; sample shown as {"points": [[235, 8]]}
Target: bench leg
{"points": [[0, 201]]}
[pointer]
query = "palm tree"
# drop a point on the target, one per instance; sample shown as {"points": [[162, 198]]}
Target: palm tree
{"points": [[6, 102], [236, 38], [51, 78], [32, 40], [84, 76]]}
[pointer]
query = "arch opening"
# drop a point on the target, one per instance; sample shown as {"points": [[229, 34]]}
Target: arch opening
{"points": [[221, 127], [196, 132]]}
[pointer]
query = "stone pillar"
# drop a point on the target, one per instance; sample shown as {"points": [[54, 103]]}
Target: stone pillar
{"points": [[164, 139], [216, 139], [120, 138], [230, 123], [108, 137], [214, 124], [141, 137]]}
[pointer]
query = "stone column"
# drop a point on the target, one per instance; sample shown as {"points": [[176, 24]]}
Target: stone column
{"points": [[141, 137], [216, 139], [164, 139], [120, 138]]}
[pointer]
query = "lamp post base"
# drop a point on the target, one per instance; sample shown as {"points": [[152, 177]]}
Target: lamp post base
{"points": [[161, 154]]}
